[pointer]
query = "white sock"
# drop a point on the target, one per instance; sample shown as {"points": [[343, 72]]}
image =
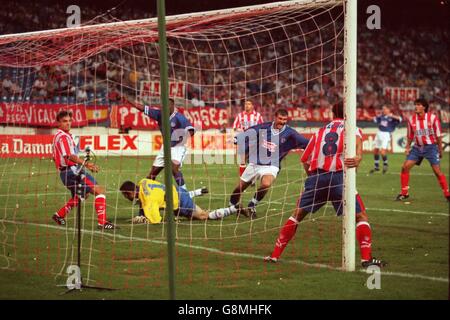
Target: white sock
{"points": [[195, 193], [222, 213]]}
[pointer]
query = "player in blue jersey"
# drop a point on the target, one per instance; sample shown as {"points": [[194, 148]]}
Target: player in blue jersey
{"points": [[264, 146], [180, 130], [387, 122]]}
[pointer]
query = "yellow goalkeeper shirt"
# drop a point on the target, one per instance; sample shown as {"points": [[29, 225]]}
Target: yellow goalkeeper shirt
{"points": [[151, 195]]}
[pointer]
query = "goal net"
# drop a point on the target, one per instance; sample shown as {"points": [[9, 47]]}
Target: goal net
{"points": [[284, 55]]}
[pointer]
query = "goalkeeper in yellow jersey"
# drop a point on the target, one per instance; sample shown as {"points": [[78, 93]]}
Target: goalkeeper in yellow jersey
{"points": [[151, 196]]}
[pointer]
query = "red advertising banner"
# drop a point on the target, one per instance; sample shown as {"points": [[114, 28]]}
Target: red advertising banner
{"points": [[40, 146], [177, 89], [207, 117], [150, 91], [109, 143], [40, 115], [125, 116], [401, 94], [309, 114], [25, 146]]}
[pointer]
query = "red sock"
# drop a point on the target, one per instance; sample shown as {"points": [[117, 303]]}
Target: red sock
{"points": [[67, 207], [100, 208], [286, 234], [404, 177], [364, 237], [241, 169], [444, 185]]}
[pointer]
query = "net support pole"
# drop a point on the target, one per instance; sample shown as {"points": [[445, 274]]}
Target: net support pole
{"points": [[350, 57], [166, 139]]}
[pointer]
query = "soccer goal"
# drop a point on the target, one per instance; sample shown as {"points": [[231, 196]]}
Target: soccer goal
{"points": [[297, 55]]}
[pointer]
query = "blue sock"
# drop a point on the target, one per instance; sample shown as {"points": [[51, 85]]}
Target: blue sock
{"points": [[377, 160]]}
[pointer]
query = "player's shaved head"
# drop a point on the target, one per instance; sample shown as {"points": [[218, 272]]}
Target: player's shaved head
{"points": [[128, 186], [128, 190], [281, 118], [338, 110], [281, 112], [171, 105]]}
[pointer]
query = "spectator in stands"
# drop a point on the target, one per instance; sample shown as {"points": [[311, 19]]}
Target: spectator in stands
{"points": [[396, 57], [81, 95], [39, 91], [7, 85]]}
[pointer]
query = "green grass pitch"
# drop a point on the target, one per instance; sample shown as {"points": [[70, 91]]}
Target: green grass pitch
{"points": [[219, 259]]}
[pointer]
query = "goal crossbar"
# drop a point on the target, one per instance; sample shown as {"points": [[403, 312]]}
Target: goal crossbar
{"points": [[171, 20]]}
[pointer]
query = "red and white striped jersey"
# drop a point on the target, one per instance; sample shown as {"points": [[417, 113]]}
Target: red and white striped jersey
{"points": [[63, 146], [245, 120], [325, 149], [424, 130]]}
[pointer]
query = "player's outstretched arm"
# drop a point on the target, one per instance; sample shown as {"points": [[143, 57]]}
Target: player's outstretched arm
{"points": [[439, 144], [134, 103], [408, 146], [78, 160], [300, 141], [396, 117], [409, 138], [306, 167], [355, 161], [92, 167]]}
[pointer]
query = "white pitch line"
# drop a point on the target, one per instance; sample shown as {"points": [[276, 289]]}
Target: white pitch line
{"points": [[397, 174], [413, 212], [233, 254], [388, 210]]}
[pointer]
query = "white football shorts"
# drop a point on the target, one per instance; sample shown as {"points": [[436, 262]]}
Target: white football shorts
{"points": [[382, 140], [178, 155], [255, 172]]}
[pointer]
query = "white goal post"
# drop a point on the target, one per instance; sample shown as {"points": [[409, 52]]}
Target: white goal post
{"points": [[350, 65]]}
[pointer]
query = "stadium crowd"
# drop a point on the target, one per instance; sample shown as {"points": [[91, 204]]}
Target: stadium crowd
{"points": [[226, 72]]}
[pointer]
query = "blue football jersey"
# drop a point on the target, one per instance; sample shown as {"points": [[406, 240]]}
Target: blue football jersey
{"points": [[179, 125], [265, 145], [386, 123]]}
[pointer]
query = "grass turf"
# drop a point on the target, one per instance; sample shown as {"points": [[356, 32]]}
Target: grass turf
{"points": [[219, 259]]}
